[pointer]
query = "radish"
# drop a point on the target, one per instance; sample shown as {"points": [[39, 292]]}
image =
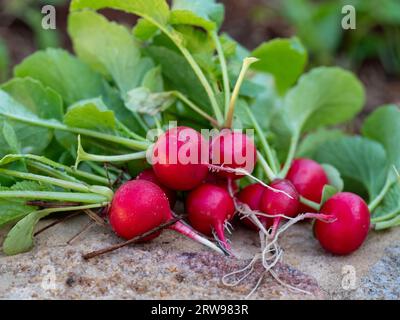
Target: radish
{"points": [[309, 179], [233, 150], [180, 158], [277, 203], [349, 230], [139, 206], [149, 175], [209, 207], [251, 196]]}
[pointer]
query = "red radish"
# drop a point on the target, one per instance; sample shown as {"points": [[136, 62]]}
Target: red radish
{"points": [[139, 206], [347, 233], [233, 150], [180, 158], [149, 175], [279, 203], [209, 207], [251, 195], [309, 179]]}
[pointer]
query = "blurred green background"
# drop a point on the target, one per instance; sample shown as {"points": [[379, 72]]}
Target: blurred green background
{"points": [[372, 50]]}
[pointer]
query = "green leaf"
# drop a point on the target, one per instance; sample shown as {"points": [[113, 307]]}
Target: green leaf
{"points": [[108, 48], [324, 96], [156, 11], [20, 237], [59, 70], [328, 192], [43, 101], [390, 205], [153, 80], [142, 100], [4, 61], [32, 139], [11, 137], [359, 159], [182, 79], [90, 114], [285, 59], [312, 141], [334, 178], [144, 29], [383, 125], [207, 14]]}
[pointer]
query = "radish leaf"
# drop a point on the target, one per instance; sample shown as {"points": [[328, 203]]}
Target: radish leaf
{"points": [[334, 177], [324, 96], [359, 159], [285, 59]]}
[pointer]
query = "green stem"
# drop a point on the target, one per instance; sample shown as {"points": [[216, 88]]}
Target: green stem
{"points": [[268, 171], [84, 156], [388, 223], [56, 196], [292, 151], [133, 144], [374, 203], [129, 132], [197, 70], [195, 108], [387, 216], [309, 203], [224, 70], [51, 172], [69, 185], [264, 143], [247, 62]]}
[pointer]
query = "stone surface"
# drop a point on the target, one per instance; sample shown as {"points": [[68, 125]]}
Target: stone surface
{"points": [[172, 267]]}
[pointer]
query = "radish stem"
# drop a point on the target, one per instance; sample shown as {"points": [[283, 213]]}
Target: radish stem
{"points": [[57, 196], [82, 155], [389, 182], [264, 143], [268, 171], [224, 71], [309, 203], [292, 150], [247, 62]]}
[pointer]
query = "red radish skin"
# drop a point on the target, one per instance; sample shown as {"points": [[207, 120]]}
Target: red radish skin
{"points": [[278, 203], [309, 179], [149, 175], [350, 229], [251, 195], [233, 150], [139, 206], [170, 158], [209, 207]]}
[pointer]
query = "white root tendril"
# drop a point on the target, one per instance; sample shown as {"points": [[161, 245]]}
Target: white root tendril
{"points": [[271, 253], [240, 171]]}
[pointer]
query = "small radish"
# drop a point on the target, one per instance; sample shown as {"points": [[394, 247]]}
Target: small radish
{"points": [[309, 179], [139, 206], [180, 158], [251, 196], [233, 150], [347, 233], [149, 175], [279, 203], [209, 207]]}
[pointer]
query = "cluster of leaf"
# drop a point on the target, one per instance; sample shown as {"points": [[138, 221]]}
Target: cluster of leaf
{"points": [[377, 33], [175, 65]]}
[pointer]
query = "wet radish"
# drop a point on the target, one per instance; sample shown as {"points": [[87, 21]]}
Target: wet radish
{"points": [[180, 158], [309, 179], [233, 150], [279, 203], [251, 195], [139, 206], [209, 207], [350, 229], [149, 175]]}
